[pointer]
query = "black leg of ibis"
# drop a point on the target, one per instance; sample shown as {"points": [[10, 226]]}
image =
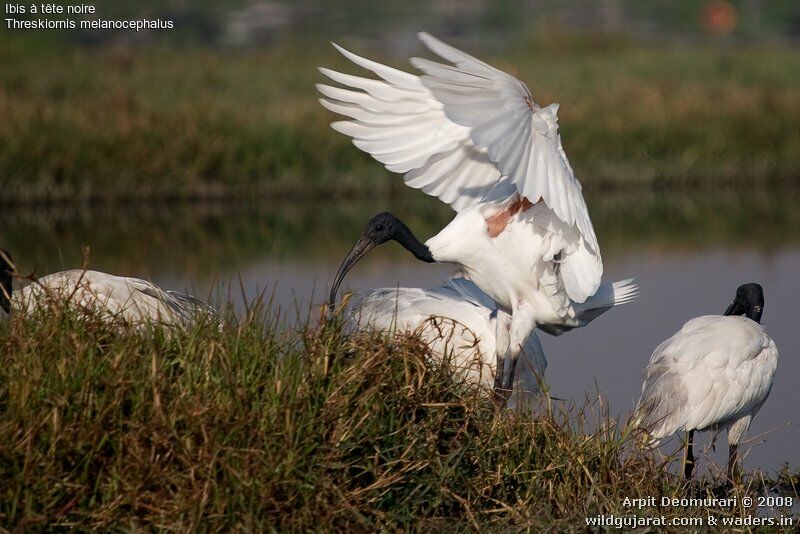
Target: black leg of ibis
{"points": [[734, 468], [499, 392], [498, 372], [509, 382], [688, 465]]}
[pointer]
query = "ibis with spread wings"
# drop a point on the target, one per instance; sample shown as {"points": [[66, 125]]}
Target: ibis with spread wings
{"points": [[473, 136]]}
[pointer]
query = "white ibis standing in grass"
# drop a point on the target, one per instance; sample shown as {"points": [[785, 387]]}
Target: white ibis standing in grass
{"points": [[115, 298], [472, 136], [714, 374]]}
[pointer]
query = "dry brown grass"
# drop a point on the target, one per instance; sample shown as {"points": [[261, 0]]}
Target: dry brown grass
{"points": [[260, 428]]}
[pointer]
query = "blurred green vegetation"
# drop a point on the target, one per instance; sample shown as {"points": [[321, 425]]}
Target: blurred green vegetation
{"points": [[117, 122], [210, 22]]}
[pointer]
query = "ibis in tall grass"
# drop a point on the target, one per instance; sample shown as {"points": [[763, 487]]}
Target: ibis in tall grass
{"points": [[461, 325], [113, 298], [714, 374], [460, 322], [474, 137]]}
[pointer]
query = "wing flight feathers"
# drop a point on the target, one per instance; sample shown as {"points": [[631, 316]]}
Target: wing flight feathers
{"points": [[466, 132], [500, 112]]}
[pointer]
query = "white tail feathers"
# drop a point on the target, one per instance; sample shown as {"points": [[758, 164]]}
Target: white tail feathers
{"points": [[606, 297], [609, 295]]}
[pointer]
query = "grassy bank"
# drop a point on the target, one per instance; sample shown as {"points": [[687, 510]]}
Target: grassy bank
{"points": [[257, 428], [170, 123]]}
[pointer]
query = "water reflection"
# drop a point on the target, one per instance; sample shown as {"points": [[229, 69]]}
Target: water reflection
{"points": [[688, 252], [204, 241]]}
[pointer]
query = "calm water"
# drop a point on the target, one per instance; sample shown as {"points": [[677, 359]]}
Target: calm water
{"points": [[688, 259]]}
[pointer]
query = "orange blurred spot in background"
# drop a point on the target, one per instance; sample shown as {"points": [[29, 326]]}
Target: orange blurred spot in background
{"points": [[719, 17]]}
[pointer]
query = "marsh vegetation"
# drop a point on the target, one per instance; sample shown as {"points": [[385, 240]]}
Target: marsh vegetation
{"points": [[261, 428], [121, 124]]}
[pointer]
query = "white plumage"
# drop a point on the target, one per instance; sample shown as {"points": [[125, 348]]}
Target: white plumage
{"points": [[715, 374], [466, 133], [472, 136], [459, 323], [115, 298]]}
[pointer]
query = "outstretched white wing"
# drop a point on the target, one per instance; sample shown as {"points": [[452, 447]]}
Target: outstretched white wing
{"points": [[464, 133], [401, 124], [520, 137]]}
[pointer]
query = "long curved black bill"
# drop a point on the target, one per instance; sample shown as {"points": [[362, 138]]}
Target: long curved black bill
{"points": [[359, 250]]}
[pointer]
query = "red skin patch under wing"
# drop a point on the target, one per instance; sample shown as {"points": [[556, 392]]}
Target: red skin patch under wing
{"points": [[498, 222]]}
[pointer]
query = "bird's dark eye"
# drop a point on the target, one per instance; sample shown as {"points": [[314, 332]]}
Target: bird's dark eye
{"points": [[379, 228]]}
